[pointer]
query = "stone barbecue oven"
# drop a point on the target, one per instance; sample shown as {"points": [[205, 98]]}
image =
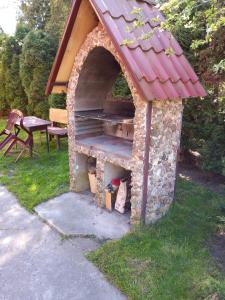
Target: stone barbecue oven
{"points": [[138, 134]]}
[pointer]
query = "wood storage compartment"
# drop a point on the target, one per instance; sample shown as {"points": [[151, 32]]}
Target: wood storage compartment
{"points": [[85, 178], [117, 174], [103, 122]]}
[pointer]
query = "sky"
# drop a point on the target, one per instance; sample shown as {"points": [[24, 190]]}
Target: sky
{"points": [[8, 13]]}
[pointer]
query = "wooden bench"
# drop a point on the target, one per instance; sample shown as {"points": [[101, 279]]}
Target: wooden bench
{"points": [[58, 116]]}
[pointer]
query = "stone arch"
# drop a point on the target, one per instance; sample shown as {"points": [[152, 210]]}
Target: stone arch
{"points": [[96, 79], [98, 38]]}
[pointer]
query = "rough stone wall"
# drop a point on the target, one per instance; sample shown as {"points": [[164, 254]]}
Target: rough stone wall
{"points": [[138, 157], [99, 38], [165, 142], [100, 196]]}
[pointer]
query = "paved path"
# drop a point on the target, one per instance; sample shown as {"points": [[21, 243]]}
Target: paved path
{"points": [[36, 264]]}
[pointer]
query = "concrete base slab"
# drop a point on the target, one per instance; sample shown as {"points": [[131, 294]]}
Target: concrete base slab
{"points": [[76, 214]]}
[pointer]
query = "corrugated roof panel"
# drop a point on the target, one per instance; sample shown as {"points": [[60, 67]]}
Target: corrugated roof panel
{"points": [[182, 89], [133, 36], [172, 91], [158, 92], [191, 88], [118, 8], [168, 67], [158, 67], [179, 68], [186, 65], [156, 75], [168, 40], [145, 71], [159, 76], [200, 91], [148, 90]]}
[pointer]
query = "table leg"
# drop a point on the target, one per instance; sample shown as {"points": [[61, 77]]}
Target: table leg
{"points": [[58, 142], [31, 144], [40, 140], [16, 131], [47, 139]]}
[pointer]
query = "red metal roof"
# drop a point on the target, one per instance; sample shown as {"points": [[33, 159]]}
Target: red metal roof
{"points": [[157, 76]]}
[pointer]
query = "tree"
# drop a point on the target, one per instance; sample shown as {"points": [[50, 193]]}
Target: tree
{"points": [[34, 13], [15, 96], [1, 31], [50, 16], [3, 103], [200, 28], [59, 11], [38, 53]]}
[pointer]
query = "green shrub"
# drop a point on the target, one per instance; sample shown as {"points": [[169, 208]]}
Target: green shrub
{"points": [[120, 87], [57, 101], [200, 29], [204, 131]]}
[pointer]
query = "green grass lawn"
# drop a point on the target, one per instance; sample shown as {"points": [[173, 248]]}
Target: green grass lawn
{"points": [[38, 179], [169, 260]]}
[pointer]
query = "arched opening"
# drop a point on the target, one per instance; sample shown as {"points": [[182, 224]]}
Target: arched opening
{"points": [[104, 114], [103, 104], [96, 79]]}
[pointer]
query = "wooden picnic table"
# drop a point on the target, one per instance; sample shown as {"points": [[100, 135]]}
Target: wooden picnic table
{"points": [[33, 124]]}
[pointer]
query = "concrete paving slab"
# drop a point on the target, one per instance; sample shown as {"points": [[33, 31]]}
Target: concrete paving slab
{"points": [[76, 214], [37, 264]]}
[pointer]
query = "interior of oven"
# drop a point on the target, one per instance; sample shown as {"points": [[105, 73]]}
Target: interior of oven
{"points": [[104, 125], [103, 121]]}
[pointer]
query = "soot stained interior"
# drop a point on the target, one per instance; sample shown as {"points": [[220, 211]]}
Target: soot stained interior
{"points": [[103, 122], [97, 77]]}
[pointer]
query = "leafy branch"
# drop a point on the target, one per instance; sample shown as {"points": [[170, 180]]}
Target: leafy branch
{"points": [[139, 23]]}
